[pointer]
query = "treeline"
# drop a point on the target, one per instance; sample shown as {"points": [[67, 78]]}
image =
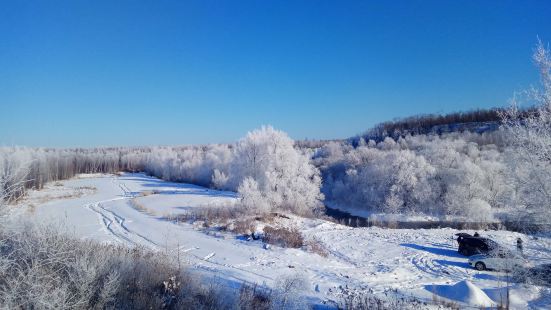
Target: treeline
{"points": [[264, 167], [25, 168], [462, 174], [459, 174], [465, 174], [436, 123]]}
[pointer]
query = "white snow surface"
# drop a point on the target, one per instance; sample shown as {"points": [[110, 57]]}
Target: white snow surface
{"points": [[466, 292], [414, 262]]}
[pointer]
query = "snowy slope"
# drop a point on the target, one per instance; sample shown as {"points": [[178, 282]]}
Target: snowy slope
{"points": [[412, 261]]}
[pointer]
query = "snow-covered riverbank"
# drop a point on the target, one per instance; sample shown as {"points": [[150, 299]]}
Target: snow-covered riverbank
{"points": [[411, 261]]}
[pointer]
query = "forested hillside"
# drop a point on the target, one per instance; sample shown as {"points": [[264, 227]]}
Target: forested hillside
{"points": [[480, 120]]}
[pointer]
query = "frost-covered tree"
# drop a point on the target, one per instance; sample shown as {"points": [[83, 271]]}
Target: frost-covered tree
{"points": [[409, 182], [202, 164], [219, 179], [530, 135], [431, 174], [14, 171], [252, 198], [283, 174]]}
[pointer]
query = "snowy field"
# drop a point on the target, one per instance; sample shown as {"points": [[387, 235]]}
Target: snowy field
{"points": [[132, 209]]}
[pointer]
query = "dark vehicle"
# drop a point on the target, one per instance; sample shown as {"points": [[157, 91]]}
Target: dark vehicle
{"points": [[470, 245], [462, 235]]}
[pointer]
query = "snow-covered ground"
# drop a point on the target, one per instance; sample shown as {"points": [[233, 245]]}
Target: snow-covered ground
{"points": [[420, 263]]}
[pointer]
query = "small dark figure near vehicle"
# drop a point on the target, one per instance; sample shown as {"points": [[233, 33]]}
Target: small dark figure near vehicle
{"points": [[476, 234], [520, 246]]}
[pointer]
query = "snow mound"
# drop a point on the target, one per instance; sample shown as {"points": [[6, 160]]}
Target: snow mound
{"points": [[465, 292]]}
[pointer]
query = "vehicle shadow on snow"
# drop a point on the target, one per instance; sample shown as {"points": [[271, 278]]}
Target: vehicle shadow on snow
{"points": [[490, 277], [438, 251]]}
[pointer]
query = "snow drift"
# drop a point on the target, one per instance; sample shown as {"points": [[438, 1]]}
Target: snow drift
{"points": [[463, 291]]}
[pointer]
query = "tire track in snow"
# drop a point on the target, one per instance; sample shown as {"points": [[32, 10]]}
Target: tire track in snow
{"points": [[436, 267], [114, 225]]}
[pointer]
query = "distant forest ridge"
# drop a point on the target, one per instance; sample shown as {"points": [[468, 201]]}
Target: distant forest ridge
{"points": [[475, 121], [478, 121]]}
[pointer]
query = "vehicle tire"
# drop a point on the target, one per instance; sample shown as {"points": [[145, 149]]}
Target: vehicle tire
{"points": [[480, 266]]}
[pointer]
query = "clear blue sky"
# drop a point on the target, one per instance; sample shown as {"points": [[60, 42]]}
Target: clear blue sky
{"points": [[98, 73]]}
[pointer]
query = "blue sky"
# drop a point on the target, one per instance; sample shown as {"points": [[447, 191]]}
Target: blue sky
{"points": [[100, 73]]}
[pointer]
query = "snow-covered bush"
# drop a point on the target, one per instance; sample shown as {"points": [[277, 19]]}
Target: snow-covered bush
{"points": [[284, 237], [360, 299], [288, 294], [289, 291], [41, 268], [255, 297]]}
